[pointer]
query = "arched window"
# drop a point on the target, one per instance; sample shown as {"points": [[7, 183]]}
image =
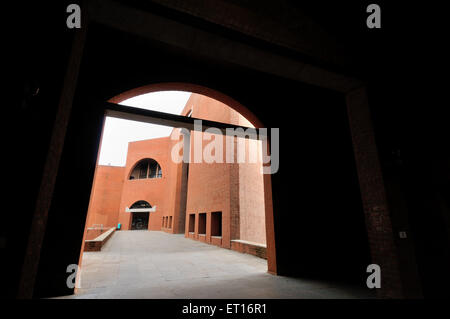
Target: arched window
{"points": [[141, 204], [146, 168]]}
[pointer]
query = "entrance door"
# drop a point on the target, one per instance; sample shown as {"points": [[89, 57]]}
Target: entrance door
{"points": [[139, 221]]}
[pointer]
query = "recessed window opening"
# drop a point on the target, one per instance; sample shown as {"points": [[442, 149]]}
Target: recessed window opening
{"points": [[216, 224], [202, 224], [191, 223]]}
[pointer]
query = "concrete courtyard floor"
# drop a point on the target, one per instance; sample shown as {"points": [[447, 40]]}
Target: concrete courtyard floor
{"points": [[152, 264]]}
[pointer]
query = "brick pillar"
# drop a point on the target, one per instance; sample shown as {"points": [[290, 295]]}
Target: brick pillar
{"points": [[235, 228], [378, 221], [180, 209], [269, 214]]}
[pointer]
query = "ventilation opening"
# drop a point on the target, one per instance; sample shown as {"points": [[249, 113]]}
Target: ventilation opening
{"points": [[216, 224], [202, 224]]}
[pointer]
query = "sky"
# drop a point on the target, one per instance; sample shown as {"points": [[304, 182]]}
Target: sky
{"points": [[117, 132]]}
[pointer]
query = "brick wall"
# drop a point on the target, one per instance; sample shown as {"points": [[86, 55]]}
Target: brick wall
{"points": [[151, 190], [236, 190], [378, 221], [105, 196]]}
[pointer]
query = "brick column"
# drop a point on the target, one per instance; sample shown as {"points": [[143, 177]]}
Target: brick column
{"points": [[235, 227], [378, 221]]}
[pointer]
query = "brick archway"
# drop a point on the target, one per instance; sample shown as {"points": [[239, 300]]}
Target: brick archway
{"points": [[376, 209], [252, 118], [189, 87]]}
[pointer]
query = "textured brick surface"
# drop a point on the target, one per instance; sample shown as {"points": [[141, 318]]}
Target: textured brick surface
{"points": [[152, 190], [105, 196], [248, 248], [378, 222], [234, 189], [97, 243]]}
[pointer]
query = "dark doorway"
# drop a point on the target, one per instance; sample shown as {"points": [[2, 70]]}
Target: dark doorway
{"points": [[139, 221], [140, 215]]}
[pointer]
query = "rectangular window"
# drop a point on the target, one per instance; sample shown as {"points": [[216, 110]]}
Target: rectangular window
{"points": [[192, 223], [216, 224], [170, 221], [202, 223]]}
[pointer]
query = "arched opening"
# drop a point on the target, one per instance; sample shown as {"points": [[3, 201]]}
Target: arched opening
{"points": [[195, 190], [141, 204], [220, 194], [146, 168], [240, 76], [248, 226], [140, 211], [194, 88]]}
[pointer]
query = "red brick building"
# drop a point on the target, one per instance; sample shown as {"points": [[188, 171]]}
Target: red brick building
{"points": [[220, 203]]}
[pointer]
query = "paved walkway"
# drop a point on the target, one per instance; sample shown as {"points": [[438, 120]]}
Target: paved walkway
{"points": [[150, 264]]}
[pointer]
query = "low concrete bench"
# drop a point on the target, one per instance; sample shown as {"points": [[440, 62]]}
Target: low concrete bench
{"points": [[97, 243], [248, 247]]}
